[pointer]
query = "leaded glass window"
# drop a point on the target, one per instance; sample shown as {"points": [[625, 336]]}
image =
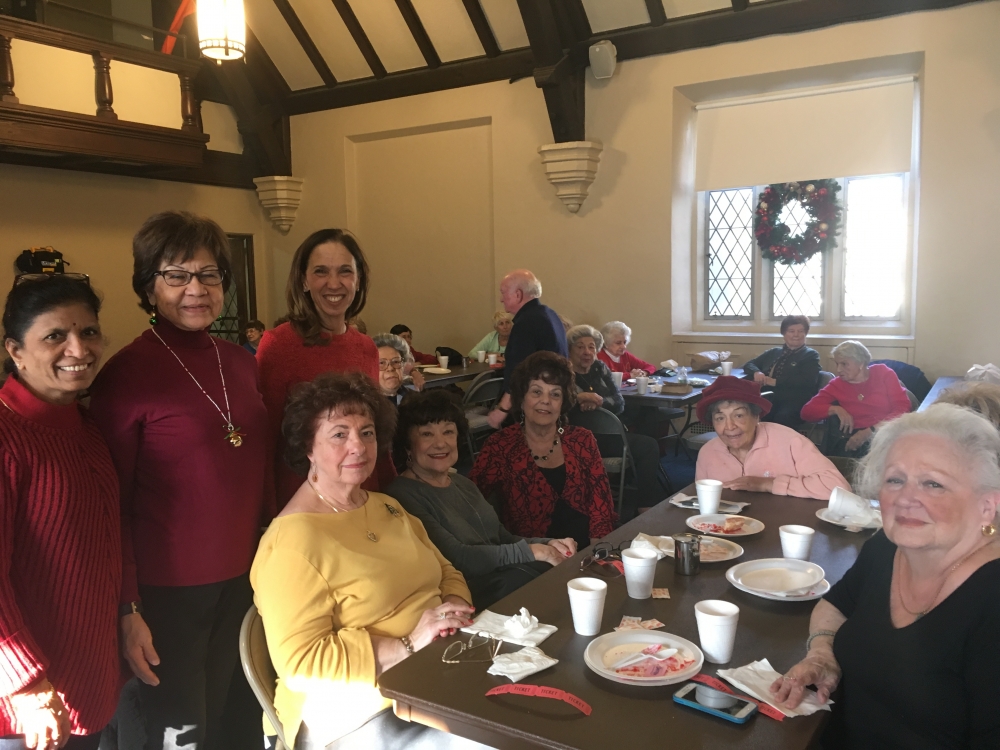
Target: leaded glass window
{"points": [[730, 253]]}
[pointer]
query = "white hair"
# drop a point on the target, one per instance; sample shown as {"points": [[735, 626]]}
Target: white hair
{"points": [[576, 333], [855, 350], [501, 315], [528, 283], [615, 327], [975, 437], [395, 342]]}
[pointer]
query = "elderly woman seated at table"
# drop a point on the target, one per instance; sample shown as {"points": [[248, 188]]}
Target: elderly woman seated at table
{"points": [[454, 512], [789, 372], [347, 582], [910, 632], [393, 354], [496, 341], [614, 354], [596, 389], [548, 473], [406, 334], [759, 456], [862, 395]]}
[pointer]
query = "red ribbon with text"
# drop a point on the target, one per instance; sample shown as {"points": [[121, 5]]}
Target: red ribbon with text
{"points": [[540, 691], [765, 708]]}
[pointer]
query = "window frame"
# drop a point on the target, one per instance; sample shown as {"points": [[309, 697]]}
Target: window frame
{"points": [[754, 258]]}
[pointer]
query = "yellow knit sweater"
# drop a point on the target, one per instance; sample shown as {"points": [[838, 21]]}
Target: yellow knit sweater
{"points": [[322, 587]]}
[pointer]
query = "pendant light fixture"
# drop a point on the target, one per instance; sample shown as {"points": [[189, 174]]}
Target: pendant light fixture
{"points": [[221, 29]]}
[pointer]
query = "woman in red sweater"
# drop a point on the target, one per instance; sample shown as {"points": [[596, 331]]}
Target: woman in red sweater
{"points": [[614, 354], [60, 554], [327, 286], [861, 396], [187, 428]]}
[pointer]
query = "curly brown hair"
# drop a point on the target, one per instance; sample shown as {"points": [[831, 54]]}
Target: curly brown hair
{"points": [[421, 408], [343, 392], [548, 367]]}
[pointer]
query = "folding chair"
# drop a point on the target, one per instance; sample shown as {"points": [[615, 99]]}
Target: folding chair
{"points": [[259, 671], [482, 394], [602, 422]]}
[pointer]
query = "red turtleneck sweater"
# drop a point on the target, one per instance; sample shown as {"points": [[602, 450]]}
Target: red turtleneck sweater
{"points": [[192, 503], [60, 559]]}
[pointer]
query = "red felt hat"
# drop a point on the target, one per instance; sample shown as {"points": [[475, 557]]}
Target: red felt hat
{"points": [[728, 388]]}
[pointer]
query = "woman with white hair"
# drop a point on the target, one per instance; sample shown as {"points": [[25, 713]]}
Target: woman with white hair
{"points": [[496, 341], [853, 403], [614, 354], [910, 632], [393, 354]]}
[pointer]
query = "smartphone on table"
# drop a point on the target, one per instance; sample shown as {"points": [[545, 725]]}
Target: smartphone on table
{"points": [[715, 702]]}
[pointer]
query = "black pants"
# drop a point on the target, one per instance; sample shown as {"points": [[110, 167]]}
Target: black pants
{"points": [[835, 441], [203, 700], [784, 412], [645, 453], [492, 587]]}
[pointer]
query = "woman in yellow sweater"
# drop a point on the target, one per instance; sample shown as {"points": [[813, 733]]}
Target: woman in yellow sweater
{"points": [[347, 583]]}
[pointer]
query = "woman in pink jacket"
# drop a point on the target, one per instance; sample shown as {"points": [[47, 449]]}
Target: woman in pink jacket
{"points": [[759, 456]]}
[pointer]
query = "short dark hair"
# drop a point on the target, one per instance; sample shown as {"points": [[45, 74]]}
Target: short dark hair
{"points": [[254, 324], [174, 237], [346, 392], [301, 309], [32, 298], [548, 367], [794, 320], [400, 328], [420, 408]]}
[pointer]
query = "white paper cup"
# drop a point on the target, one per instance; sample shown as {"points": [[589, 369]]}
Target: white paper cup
{"points": [[492, 357], [640, 569], [617, 377], [586, 601], [847, 504], [481, 354], [640, 385], [727, 368], [796, 541], [709, 495], [717, 629], [443, 362]]}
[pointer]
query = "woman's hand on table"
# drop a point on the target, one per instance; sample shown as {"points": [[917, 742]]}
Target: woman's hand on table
{"points": [[565, 547], [547, 553], [137, 647], [418, 380], [638, 373], [41, 715], [858, 439], [750, 484], [441, 621], [819, 668], [589, 401], [846, 420]]}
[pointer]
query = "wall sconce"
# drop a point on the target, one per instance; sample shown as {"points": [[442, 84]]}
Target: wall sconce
{"points": [[222, 31]]}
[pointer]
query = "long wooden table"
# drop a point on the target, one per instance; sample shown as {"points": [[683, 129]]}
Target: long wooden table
{"points": [[452, 697]]}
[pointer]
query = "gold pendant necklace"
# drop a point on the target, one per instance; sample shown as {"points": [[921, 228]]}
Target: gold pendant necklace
{"points": [[372, 537]]}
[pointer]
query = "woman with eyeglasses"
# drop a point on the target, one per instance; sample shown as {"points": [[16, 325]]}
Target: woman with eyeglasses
{"points": [[393, 352], [187, 428], [60, 555]]}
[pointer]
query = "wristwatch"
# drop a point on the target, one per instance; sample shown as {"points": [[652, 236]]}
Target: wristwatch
{"points": [[132, 608]]}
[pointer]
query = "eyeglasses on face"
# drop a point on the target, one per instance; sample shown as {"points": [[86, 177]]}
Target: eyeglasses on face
{"points": [[390, 364], [476, 641], [27, 278], [183, 278]]}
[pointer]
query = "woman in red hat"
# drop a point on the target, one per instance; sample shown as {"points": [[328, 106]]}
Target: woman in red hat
{"points": [[759, 456]]}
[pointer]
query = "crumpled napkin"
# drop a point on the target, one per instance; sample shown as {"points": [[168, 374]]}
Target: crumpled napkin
{"points": [[755, 679], [511, 629], [690, 502], [521, 664], [661, 545]]}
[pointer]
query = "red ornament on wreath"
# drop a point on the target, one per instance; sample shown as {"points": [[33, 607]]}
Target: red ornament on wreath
{"points": [[819, 200]]}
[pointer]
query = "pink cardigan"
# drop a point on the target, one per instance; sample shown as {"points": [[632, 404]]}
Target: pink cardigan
{"points": [[796, 464], [626, 363]]}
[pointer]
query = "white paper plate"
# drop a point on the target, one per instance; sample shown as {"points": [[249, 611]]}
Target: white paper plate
{"points": [[437, 370], [816, 592], [594, 656], [728, 550], [699, 382], [825, 514], [724, 505], [750, 525], [776, 575]]}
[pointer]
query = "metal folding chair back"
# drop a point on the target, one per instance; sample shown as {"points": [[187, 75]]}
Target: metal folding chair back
{"points": [[258, 668], [482, 394], [602, 422]]}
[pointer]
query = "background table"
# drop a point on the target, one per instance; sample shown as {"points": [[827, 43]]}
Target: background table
{"points": [[452, 697], [940, 386], [458, 374]]}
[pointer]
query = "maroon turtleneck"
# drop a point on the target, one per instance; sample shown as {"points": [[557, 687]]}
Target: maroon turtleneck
{"points": [[192, 503]]}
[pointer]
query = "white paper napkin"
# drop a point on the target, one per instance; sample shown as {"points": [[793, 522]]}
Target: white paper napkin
{"points": [[658, 544], [521, 664], [756, 678], [511, 629], [681, 500]]}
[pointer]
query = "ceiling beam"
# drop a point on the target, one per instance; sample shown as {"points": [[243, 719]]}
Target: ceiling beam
{"points": [[360, 37], [739, 5], [576, 17], [420, 36], [482, 26], [657, 16], [308, 46], [264, 128], [263, 72]]}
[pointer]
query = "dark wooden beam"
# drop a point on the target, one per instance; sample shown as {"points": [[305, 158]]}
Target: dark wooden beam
{"points": [[360, 37], [263, 72], [264, 127], [508, 65], [740, 4], [308, 46], [657, 16], [416, 27], [482, 26], [576, 15]]}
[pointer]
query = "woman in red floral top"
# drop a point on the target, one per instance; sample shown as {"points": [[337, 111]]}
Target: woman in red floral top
{"points": [[548, 472]]}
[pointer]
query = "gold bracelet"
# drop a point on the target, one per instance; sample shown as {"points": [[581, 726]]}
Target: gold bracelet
{"points": [[407, 644]]}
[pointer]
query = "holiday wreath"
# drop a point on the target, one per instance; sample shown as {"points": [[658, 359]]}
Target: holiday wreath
{"points": [[776, 241]]}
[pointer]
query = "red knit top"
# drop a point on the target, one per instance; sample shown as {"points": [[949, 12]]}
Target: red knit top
{"points": [[626, 363], [423, 359], [505, 464], [192, 503], [284, 361], [879, 398], [60, 558]]}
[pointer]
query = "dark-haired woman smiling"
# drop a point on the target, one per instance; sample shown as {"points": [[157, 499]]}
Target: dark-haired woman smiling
{"points": [[60, 557]]}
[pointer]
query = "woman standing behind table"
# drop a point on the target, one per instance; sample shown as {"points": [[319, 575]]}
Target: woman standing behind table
{"points": [[549, 473], [615, 354], [327, 286], [187, 428], [60, 553], [497, 340], [791, 372]]}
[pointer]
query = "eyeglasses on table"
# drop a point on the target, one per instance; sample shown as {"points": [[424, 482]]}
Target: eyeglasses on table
{"points": [[476, 641], [601, 559]]}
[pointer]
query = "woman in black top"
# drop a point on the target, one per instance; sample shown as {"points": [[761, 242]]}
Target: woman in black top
{"points": [[596, 389], [910, 632], [789, 372]]}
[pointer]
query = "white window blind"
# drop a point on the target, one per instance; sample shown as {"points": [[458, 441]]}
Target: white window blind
{"points": [[857, 129]]}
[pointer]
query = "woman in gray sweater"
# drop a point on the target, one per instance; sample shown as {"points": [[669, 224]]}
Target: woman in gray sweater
{"points": [[458, 519]]}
